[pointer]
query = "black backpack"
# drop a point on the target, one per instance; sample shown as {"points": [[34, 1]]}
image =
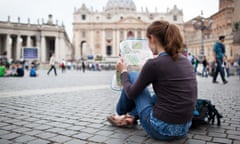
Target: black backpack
{"points": [[205, 112]]}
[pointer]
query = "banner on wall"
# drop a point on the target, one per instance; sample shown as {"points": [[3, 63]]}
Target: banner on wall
{"points": [[30, 53]]}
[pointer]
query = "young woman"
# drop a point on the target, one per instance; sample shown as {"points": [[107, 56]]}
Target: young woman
{"points": [[167, 114]]}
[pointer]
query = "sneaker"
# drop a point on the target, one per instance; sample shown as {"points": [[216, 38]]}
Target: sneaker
{"points": [[225, 82], [215, 82]]}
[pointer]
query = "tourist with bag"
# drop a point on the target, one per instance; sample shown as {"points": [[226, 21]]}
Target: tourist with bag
{"points": [[167, 114]]}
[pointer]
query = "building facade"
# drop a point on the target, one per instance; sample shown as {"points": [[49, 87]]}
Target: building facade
{"points": [[222, 23], [99, 33], [34, 41], [236, 26]]}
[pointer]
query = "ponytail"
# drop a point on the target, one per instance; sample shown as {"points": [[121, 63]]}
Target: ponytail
{"points": [[168, 35]]}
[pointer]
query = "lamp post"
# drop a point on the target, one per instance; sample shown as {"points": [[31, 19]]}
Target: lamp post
{"points": [[202, 24]]}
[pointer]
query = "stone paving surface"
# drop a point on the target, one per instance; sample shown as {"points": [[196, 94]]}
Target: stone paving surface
{"points": [[72, 108]]}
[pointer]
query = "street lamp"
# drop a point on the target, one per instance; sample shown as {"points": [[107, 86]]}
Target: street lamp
{"points": [[202, 24]]}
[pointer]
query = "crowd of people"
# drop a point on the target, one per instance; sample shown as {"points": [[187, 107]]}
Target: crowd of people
{"points": [[84, 66], [10, 68], [209, 68], [21, 68]]}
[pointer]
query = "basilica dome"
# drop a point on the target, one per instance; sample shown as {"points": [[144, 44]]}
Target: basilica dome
{"points": [[120, 5]]}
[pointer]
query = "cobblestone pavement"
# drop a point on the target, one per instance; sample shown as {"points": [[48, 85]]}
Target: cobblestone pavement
{"points": [[71, 108]]}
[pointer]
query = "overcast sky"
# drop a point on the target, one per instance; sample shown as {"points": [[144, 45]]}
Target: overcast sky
{"points": [[62, 10]]}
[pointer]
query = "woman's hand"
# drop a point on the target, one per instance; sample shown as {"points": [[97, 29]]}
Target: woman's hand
{"points": [[121, 66]]}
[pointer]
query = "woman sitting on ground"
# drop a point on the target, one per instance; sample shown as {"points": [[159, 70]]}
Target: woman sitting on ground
{"points": [[167, 114]]}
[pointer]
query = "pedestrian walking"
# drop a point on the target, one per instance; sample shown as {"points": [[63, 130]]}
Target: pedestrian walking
{"points": [[227, 66], [190, 58], [83, 66], [195, 64], [238, 66], [219, 54], [52, 65], [167, 114], [63, 65], [205, 67]]}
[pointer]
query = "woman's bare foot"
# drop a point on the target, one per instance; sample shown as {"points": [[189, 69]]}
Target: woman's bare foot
{"points": [[122, 120]]}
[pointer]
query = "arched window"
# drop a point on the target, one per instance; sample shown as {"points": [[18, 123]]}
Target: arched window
{"points": [[130, 35]]}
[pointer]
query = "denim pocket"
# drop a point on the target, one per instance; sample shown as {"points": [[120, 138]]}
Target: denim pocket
{"points": [[169, 129]]}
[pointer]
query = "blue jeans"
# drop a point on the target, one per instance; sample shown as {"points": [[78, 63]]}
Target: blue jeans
{"points": [[219, 69], [204, 71], [141, 107]]}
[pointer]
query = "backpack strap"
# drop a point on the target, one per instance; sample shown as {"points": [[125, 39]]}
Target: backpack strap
{"points": [[219, 116], [213, 112]]}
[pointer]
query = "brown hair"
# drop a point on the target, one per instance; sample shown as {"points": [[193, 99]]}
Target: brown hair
{"points": [[168, 35], [221, 37]]}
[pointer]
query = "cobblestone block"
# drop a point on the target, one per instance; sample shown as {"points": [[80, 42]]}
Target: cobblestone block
{"points": [[89, 130], [136, 139], [76, 141], [10, 127], [236, 142], [24, 139], [215, 134], [193, 141], [60, 139], [234, 137], [114, 141], [120, 135], [97, 138], [202, 137], [32, 132], [68, 132], [46, 135], [83, 136], [55, 130], [39, 141], [3, 141], [222, 140], [3, 132], [76, 128], [104, 133], [22, 130], [10, 136]]}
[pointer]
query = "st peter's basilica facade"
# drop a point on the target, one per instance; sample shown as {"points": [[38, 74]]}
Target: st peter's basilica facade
{"points": [[98, 33]]}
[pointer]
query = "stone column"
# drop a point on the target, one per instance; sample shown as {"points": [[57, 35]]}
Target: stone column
{"points": [[63, 46], [114, 47], [43, 49], [77, 45], [143, 33], [38, 43], [57, 48], [92, 43], [103, 43], [135, 32], [8, 46], [125, 34], [117, 42], [19, 48], [29, 41]]}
